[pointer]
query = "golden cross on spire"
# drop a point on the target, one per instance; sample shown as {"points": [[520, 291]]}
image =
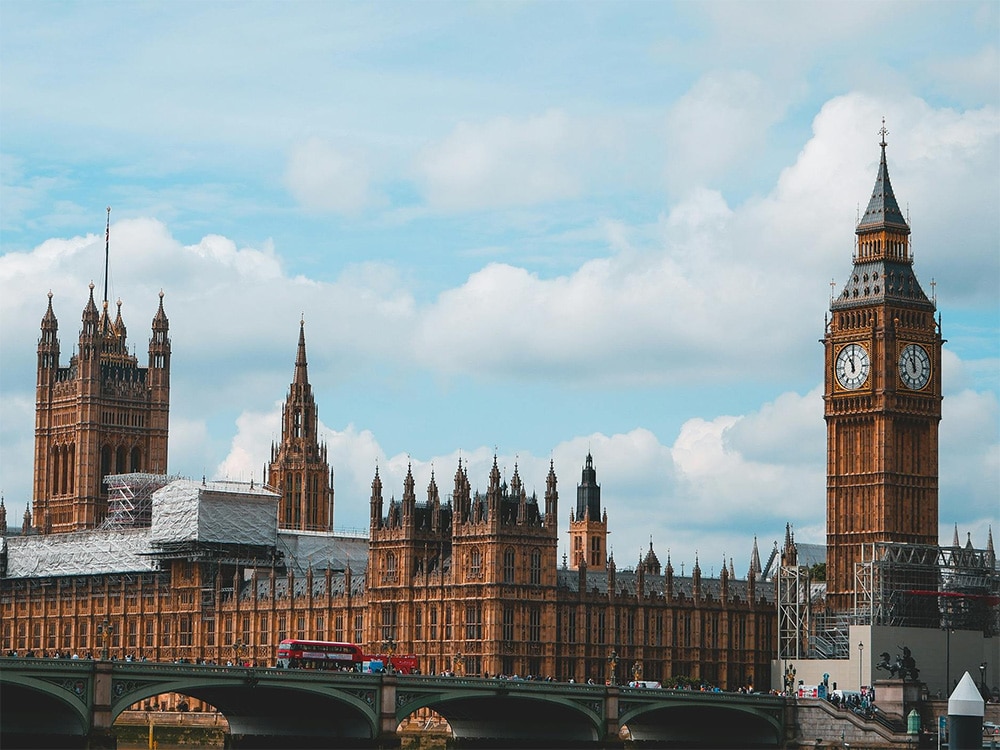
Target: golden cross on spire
{"points": [[883, 132]]}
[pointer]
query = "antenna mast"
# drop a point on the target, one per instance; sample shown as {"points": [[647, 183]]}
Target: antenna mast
{"points": [[107, 250]]}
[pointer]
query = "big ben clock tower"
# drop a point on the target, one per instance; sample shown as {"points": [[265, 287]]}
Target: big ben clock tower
{"points": [[882, 400]]}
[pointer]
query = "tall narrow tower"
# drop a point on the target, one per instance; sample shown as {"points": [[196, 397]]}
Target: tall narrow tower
{"points": [[588, 527], [299, 470], [882, 400], [104, 414]]}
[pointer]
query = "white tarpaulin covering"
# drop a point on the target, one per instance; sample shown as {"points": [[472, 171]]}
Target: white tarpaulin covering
{"points": [[184, 512], [79, 553], [220, 512], [319, 551]]}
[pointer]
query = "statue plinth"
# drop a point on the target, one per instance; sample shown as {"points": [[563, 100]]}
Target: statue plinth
{"points": [[897, 697]]}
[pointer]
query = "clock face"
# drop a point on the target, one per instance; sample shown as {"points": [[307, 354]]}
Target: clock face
{"points": [[852, 366], [914, 366]]}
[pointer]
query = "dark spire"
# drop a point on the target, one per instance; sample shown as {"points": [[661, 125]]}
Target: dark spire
{"points": [[49, 321], [883, 210], [588, 493], [301, 366], [651, 562], [90, 309], [755, 567], [160, 319]]}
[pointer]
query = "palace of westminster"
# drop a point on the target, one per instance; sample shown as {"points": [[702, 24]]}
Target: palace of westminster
{"points": [[115, 553]]}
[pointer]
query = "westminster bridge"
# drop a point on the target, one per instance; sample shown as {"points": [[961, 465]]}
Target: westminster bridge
{"points": [[74, 703]]}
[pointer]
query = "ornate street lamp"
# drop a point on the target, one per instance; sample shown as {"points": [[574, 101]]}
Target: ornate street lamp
{"points": [[459, 666], [982, 680], [389, 646], [239, 649], [637, 671], [612, 665], [861, 664], [104, 630], [790, 679]]}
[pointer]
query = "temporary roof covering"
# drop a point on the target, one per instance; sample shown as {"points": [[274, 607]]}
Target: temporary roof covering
{"points": [[304, 549], [220, 512], [185, 514], [79, 553]]}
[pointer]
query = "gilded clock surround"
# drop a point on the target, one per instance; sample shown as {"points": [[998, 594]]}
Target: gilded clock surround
{"points": [[914, 366]]}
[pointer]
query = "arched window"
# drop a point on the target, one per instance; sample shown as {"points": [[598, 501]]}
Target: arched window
{"points": [[71, 468], [136, 462], [475, 563], [56, 464], [120, 462], [105, 460], [390, 565], [508, 565], [535, 571]]}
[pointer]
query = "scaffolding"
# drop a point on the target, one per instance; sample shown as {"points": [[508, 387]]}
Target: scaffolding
{"points": [[130, 499], [794, 609], [898, 585], [924, 586]]}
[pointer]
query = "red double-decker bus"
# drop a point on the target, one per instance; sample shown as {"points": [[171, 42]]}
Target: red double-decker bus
{"points": [[294, 654], [345, 657]]}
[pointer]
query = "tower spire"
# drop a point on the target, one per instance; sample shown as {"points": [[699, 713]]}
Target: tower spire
{"points": [[299, 468], [883, 210], [301, 365]]}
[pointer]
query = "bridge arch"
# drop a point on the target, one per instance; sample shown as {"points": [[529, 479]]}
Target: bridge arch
{"points": [[257, 707], [504, 715], [722, 725], [61, 708]]}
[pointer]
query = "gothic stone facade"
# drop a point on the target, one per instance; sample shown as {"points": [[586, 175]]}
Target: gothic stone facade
{"points": [[472, 587], [101, 415]]}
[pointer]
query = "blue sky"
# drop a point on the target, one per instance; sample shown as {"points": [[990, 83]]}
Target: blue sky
{"points": [[539, 229]]}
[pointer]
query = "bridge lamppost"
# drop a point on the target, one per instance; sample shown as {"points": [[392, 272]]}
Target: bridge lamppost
{"points": [[389, 646], [790, 679], [637, 671], [612, 666], [239, 649], [459, 665], [104, 630], [861, 664], [982, 680]]}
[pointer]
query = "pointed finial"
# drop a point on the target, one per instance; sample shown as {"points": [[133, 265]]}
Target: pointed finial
{"points": [[883, 132]]}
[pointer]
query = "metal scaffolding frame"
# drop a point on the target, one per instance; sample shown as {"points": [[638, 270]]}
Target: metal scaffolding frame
{"points": [[925, 586], [130, 499], [794, 608], [899, 585]]}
